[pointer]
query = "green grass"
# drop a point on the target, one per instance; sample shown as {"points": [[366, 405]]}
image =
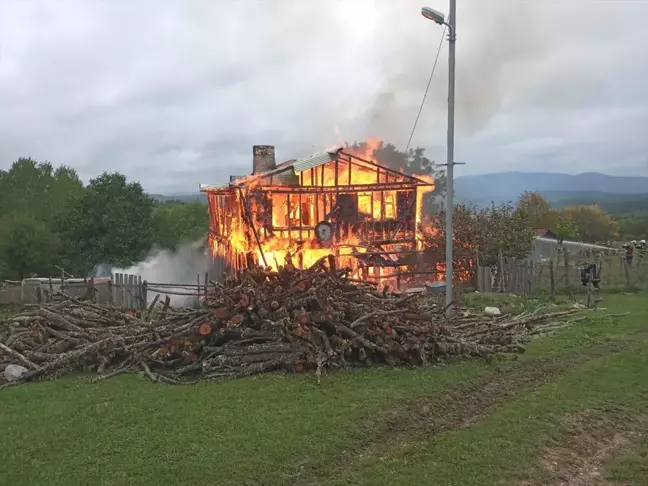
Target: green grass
{"points": [[273, 429], [630, 466], [508, 443]]}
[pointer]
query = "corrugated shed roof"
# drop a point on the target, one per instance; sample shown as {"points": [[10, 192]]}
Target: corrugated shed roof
{"points": [[209, 187], [283, 172], [304, 163], [315, 160]]}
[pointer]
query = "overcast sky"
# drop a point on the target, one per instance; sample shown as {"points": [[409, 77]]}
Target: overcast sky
{"points": [[174, 93]]}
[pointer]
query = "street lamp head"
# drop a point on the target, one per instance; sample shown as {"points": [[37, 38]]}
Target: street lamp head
{"points": [[435, 15]]}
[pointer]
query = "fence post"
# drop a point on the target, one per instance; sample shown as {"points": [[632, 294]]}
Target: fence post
{"points": [[131, 291], [566, 258], [140, 294], [91, 290], [552, 280], [119, 297], [145, 293], [124, 295], [626, 272]]}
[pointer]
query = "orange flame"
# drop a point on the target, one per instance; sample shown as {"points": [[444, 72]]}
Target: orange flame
{"points": [[282, 230]]}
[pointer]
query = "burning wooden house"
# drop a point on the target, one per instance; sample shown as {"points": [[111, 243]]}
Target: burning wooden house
{"points": [[335, 202]]}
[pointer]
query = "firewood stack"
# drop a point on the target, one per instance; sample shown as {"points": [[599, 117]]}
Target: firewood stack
{"points": [[262, 321]]}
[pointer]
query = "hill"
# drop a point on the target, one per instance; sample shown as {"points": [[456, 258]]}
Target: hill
{"points": [[564, 189], [185, 197], [616, 204]]}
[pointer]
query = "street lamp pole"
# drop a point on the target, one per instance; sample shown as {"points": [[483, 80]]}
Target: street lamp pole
{"points": [[450, 158], [450, 24]]}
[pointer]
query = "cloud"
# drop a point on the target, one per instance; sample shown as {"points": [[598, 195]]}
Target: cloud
{"points": [[175, 93]]}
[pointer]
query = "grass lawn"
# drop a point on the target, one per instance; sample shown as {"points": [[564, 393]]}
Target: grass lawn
{"points": [[287, 429]]}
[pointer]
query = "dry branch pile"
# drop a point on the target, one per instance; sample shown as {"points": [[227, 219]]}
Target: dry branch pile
{"points": [[263, 321]]}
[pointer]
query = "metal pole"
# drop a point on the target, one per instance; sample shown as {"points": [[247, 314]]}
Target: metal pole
{"points": [[452, 22]]}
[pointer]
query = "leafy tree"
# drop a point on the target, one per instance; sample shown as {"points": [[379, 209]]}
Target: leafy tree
{"points": [[33, 196], [485, 233], [565, 229], [537, 209], [38, 189], [592, 223], [634, 226], [175, 223], [503, 230], [27, 247], [110, 223]]}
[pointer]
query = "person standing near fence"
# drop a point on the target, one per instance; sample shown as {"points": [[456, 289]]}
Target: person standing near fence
{"points": [[629, 250], [641, 250]]}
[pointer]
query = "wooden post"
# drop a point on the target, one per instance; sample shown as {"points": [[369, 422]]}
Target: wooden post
{"points": [[206, 282], [131, 291], [501, 286], [626, 272], [123, 279], [145, 293], [51, 290], [566, 259], [140, 293], [552, 279], [120, 290]]}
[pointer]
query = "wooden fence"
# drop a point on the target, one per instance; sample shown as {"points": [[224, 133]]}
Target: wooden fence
{"points": [[511, 275], [121, 290], [128, 291], [561, 274]]}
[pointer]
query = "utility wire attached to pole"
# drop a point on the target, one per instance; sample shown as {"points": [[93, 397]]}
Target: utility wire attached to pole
{"points": [[427, 88]]}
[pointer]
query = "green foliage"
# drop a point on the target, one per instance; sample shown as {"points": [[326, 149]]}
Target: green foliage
{"points": [[110, 223], [26, 246], [33, 196], [48, 219], [537, 209], [634, 226], [503, 230], [175, 223], [593, 224], [487, 233], [37, 189], [565, 228]]}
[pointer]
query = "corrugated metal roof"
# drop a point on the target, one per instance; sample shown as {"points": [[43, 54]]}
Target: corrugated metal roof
{"points": [[285, 172], [315, 160], [300, 165], [208, 187]]}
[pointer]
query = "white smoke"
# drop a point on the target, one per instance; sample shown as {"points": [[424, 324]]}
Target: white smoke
{"points": [[183, 266]]}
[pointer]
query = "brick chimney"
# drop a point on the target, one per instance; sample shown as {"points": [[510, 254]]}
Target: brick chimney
{"points": [[263, 158]]}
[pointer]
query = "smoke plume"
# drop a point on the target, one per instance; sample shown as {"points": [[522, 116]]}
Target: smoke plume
{"points": [[181, 266]]}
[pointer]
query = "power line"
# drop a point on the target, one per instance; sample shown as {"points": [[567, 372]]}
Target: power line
{"points": [[436, 60]]}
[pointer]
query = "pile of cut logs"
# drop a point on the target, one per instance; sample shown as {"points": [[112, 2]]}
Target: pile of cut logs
{"points": [[260, 321]]}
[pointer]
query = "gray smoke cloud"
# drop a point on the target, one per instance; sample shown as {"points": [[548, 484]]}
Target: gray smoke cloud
{"points": [[181, 266]]}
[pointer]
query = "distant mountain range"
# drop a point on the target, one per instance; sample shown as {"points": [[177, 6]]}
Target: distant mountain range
{"points": [[182, 197], [615, 194], [559, 189]]}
